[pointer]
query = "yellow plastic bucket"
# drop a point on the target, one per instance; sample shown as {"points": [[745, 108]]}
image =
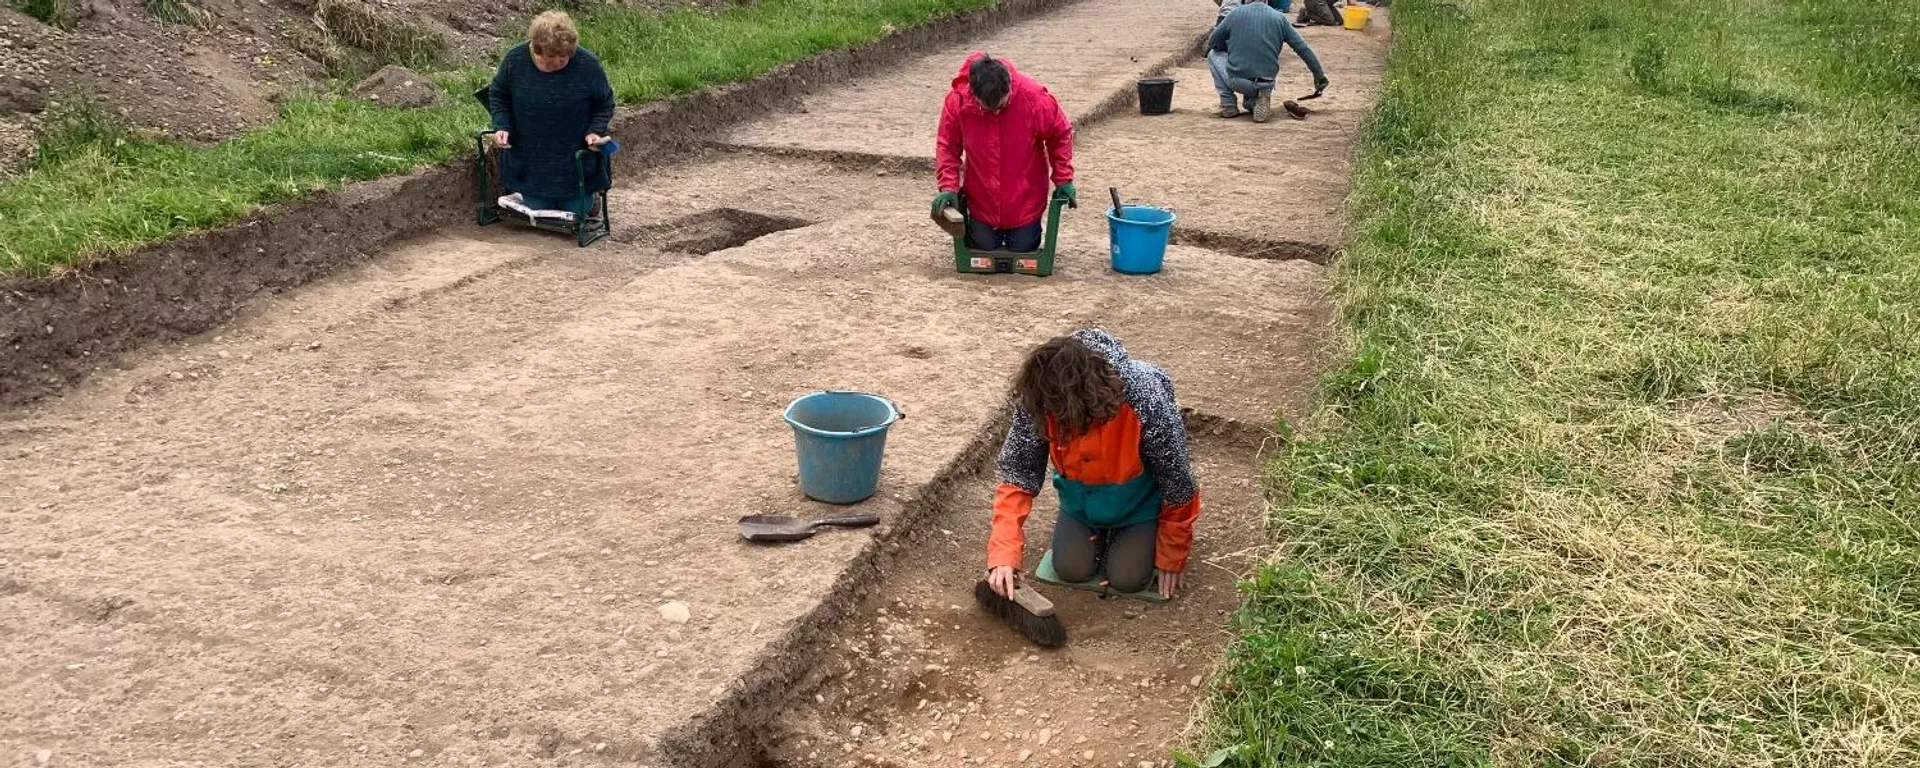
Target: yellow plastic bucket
{"points": [[1354, 16]]}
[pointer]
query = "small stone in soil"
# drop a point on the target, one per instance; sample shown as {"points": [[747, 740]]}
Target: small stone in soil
{"points": [[676, 612]]}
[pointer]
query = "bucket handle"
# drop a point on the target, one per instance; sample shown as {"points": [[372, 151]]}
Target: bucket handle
{"points": [[897, 413]]}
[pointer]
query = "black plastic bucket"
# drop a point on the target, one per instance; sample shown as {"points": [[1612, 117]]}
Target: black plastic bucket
{"points": [[1156, 95]]}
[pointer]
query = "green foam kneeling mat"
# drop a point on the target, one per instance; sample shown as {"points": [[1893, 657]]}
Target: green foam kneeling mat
{"points": [[1046, 574]]}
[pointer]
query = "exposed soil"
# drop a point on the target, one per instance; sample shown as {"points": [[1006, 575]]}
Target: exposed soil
{"points": [[428, 511], [1265, 189], [926, 678], [1085, 66]]}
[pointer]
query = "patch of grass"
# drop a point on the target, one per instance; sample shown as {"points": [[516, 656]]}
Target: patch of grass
{"points": [[49, 12], [98, 190], [169, 11], [388, 40], [1542, 548], [118, 189]]}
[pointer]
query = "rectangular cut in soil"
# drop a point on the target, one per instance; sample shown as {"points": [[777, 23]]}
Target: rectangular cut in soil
{"points": [[1282, 182], [1083, 54]]}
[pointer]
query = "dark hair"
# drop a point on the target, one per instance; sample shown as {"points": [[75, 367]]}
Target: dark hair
{"points": [[1075, 385], [989, 80]]}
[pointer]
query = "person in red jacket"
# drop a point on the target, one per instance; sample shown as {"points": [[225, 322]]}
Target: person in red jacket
{"points": [[1013, 140], [1112, 431]]}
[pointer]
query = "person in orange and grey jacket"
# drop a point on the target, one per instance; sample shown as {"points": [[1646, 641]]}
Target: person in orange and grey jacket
{"points": [[1009, 138], [1112, 431]]}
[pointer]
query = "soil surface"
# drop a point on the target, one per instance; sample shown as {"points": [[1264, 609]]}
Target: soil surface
{"points": [[1083, 56], [431, 511], [926, 678]]}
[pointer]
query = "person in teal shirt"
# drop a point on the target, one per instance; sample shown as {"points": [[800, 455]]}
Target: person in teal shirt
{"points": [[1244, 54]]}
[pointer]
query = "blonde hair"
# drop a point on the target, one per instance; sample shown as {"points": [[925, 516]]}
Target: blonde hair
{"points": [[553, 34]]}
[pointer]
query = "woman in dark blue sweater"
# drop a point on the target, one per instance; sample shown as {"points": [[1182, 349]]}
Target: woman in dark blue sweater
{"points": [[549, 99]]}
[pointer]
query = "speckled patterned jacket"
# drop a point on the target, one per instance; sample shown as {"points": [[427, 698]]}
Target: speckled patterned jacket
{"points": [[1127, 470]]}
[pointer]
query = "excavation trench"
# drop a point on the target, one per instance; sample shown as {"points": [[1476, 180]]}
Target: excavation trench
{"points": [[919, 675]]}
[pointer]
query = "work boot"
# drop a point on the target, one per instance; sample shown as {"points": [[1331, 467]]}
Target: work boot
{"points": [[1228, 109], [1262, 106]]}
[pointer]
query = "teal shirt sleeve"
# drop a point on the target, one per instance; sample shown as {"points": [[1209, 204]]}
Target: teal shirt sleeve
{"points": [[1292, 38]]}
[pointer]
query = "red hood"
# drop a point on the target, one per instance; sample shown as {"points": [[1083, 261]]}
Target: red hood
{"points": [[1021, 84]]}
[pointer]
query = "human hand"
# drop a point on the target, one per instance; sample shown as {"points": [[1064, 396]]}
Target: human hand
{"points": [[1002, 580], [500, 139], [594, 139], [946, 199], [1067, 192], [1169, 583]]}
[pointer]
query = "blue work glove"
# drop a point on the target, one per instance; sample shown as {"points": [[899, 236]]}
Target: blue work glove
{"points": [[1069, 194], [946, 199]]}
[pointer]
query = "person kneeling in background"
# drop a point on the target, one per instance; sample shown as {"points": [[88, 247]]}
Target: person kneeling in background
{"points": [[1014, 139], [550, 98], [1244, 54]]}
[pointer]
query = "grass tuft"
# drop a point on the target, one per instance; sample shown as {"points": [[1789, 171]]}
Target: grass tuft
{"points": [[53, 13], [169, 11]]}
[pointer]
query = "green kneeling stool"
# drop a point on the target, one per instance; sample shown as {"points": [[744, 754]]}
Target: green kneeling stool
{"points": [[589, 221], [1046, 574], [1037, 263]]}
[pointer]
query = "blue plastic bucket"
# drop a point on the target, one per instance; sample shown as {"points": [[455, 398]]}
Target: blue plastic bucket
{"points": [[1139, 239], [840, 438]]}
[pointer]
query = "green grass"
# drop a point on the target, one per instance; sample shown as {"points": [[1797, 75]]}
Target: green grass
{"points": [[94, 189], [53, 12], [169, 11], [1623, 464]]}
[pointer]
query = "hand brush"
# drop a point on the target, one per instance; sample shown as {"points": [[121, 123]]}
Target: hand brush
{"points": [[1029, 613]]}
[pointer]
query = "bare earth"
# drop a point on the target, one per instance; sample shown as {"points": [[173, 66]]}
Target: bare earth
{"points": [[426, 513]]}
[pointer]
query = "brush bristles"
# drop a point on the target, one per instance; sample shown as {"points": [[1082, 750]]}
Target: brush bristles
{"points": [[1046, 631]]}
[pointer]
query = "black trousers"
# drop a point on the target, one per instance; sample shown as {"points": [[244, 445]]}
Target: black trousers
{"points": [[1127, 553]]}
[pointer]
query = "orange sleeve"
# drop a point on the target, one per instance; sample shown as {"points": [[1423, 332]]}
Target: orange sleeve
{"points": [[1007, 543], [1176, 535]]}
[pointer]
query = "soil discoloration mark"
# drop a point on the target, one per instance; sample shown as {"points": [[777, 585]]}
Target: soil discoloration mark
{"points": [[715, 230], [1254, 248]]}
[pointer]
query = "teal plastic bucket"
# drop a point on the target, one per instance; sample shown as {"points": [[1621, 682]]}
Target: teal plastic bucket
{"points": [[840, 438], [1138, 239]]}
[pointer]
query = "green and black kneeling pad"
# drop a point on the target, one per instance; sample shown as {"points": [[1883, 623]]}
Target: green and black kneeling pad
{"points": [[1046, 574]]}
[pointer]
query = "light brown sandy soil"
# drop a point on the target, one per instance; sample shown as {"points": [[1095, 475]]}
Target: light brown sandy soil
{"points": [[925, 679], [1284, 180], [426, 513], [1083, 54]]}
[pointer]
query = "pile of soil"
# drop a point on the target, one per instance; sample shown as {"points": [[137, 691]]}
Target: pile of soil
{"points": [[200, 70]]}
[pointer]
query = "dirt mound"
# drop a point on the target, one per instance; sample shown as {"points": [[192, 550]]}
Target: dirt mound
{"points": [[200, 70], [397, 86]]}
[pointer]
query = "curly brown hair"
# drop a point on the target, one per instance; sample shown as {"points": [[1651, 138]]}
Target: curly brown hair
{"points": [[1075, 385]]}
